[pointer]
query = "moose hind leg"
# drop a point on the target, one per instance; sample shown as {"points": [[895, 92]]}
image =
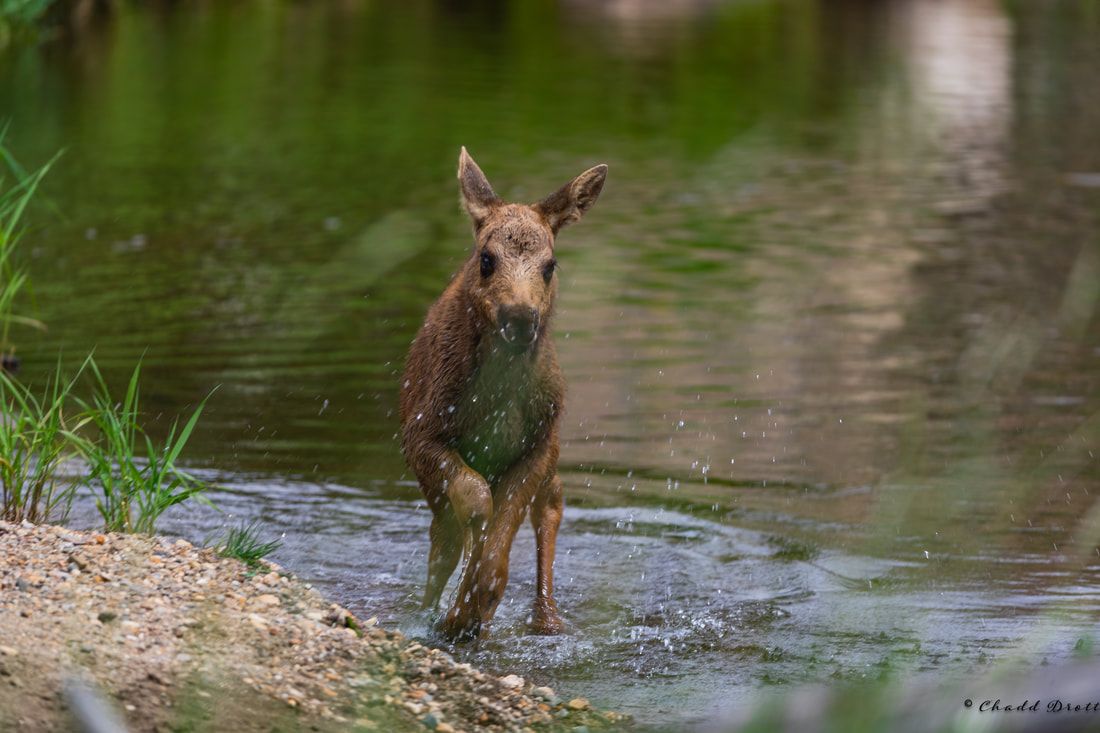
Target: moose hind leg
{"points": [[546, 513], [446, 539]]}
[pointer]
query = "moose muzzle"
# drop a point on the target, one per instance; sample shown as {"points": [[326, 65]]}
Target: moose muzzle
{"points": [[519, 326]]}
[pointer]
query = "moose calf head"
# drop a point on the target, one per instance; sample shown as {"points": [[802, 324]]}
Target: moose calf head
{"points": [[511, 275]]}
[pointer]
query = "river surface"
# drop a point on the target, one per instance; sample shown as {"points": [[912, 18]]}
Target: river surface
{"points": [[830, 333]]}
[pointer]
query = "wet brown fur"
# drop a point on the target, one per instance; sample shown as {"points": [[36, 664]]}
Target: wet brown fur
{"points": [[480, 415]]}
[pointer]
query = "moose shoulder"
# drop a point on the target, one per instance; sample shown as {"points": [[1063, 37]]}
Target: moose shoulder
{"points": [[481, 399]]}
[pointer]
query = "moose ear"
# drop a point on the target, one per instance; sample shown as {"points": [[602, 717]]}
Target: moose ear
{"points": [[568, 203], [477, 195]]}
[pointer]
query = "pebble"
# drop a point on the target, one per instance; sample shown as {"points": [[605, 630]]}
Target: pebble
{"points": [[512, 681]]}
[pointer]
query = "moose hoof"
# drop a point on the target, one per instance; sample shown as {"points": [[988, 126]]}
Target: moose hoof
{"points": [[456, 628], [545, 619]]}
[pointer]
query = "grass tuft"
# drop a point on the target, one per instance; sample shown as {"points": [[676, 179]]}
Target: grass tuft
{"points": [[131, 492], [36, 439], [243, 543]]}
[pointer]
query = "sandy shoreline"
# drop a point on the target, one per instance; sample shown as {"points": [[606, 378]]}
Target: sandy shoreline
{"points": [[182, 639]]}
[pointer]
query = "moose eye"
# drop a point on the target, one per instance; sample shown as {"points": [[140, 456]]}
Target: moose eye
{"points": [[548, 270], [488, 264]]}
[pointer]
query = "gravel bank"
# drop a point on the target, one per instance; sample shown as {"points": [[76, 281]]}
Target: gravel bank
{"points": [[184, 640]]}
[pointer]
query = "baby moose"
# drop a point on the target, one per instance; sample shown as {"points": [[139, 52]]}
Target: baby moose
{"points": [[481, 401]]}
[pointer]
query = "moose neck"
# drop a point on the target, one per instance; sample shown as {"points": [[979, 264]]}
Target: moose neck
{"points": [[495, 358]]}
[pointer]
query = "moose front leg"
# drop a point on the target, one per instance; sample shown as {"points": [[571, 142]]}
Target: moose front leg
{"points": [[486, 574], [456, 524], [461, 503], [546, 512]]}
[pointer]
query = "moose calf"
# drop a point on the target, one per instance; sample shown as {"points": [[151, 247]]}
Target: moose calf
{"points": [[481, 401]]}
